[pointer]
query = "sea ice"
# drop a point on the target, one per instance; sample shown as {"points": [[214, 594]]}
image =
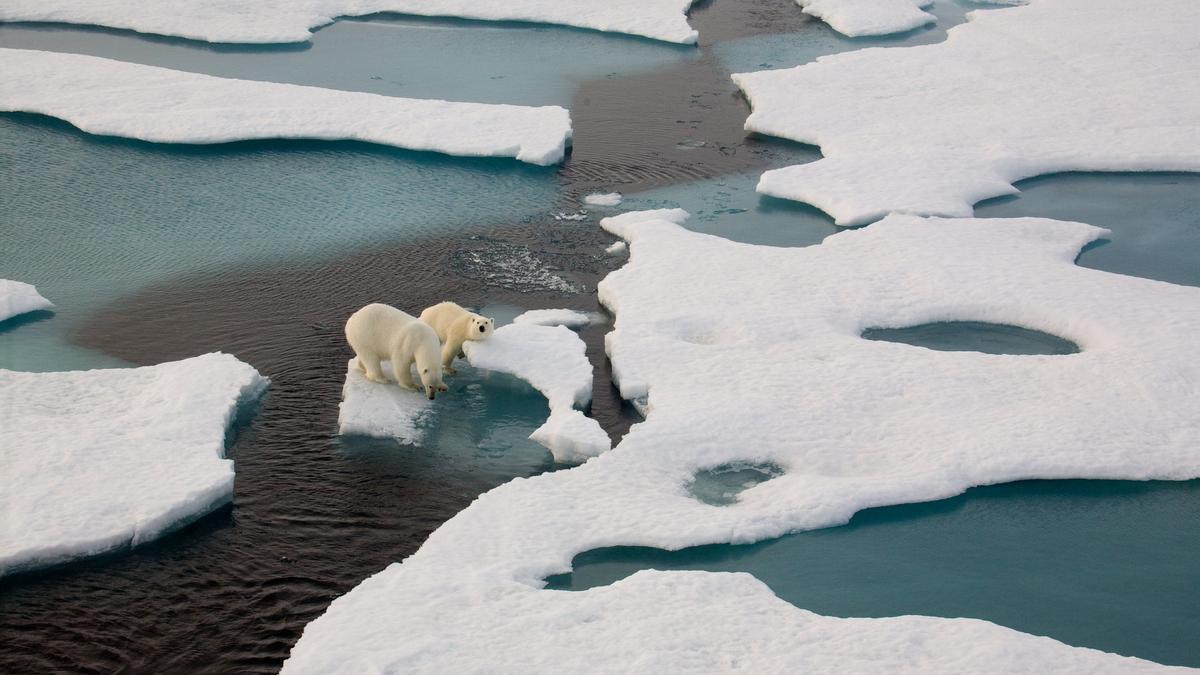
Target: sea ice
{"points": [[603, 199], [382, 410], [616, 248], [101, 459], [758, 358], [293, 20], [857, 18], [552, 359], [17, 297], [1055, 85], [114, 98], [558, 317]]}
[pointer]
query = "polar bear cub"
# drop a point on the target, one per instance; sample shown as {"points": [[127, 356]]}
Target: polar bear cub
{"points": [[454, 326], [378, 332]]}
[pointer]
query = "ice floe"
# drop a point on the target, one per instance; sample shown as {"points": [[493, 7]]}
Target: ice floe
{"points": [[265, 21], [756, 357], [552, 359], [101, 459], [558, 317], [616, 248], [114, 98], [603, 199], [1055, 85], [858, 18], [382, 410], [17, 297]]}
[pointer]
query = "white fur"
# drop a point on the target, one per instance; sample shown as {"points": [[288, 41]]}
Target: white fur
{"points": [[454, 326], [378, 332]]}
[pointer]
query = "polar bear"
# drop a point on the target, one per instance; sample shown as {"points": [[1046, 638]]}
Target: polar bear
{"points": [[454, 326], [378, 332]]}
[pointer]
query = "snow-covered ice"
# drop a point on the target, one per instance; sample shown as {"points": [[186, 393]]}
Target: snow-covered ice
{"points": [[266, 21], [552, 359], [616, 248], [579, 215], [858, 18], [382, 410], [603, 199], [1055, 85], [757, 357], [96, 460], [17, 297], [114, 98], [570, 318]]}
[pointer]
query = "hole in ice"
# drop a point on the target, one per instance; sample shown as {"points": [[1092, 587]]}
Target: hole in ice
{"points": [[975, 336], [721, 485], [1109, 565]]}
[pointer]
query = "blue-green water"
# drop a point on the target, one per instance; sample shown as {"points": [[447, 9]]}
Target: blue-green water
{"points": [[1104, 564]]}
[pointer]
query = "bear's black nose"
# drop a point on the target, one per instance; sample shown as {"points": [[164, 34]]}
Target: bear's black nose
{"points": [[483, 329]]}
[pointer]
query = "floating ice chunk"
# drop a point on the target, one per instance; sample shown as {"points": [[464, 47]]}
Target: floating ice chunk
{"points": [[101, 459], [293, 20], [17, 297], [552, 359], [757, 358], [605, 199], [558, 317], [114, 98], [931, 130], [581, 215], [382, 410], [572, 436], [616, 248], [858, 18]]}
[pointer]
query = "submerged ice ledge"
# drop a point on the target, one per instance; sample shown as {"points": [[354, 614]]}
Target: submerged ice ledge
{"points": [[114, 98], [100, 459], [1052, 86], [17, 297], [757, 358], [267, 21]]}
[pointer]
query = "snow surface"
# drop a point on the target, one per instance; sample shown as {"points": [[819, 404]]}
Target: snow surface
{"points": [[603, 199], [617, 248], [97, 460], [558, 317], [858, 18], [382, 410], [265, 21], [114, 98], [758, 357], [1055, 85], [17, 297], [552, 359]]}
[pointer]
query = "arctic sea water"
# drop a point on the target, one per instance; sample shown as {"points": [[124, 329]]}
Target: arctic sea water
{"points": [[97, 220]]}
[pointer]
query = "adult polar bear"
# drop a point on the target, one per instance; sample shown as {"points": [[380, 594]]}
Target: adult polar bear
{"points": [[379, 332], [454, 326]]}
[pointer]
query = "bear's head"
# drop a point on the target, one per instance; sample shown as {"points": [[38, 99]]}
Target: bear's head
{"points": [[431, 379], [480, 328]]}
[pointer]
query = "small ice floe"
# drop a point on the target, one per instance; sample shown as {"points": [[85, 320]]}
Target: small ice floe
{"points": [[114, 98], [858, 18], [603, 199], [562, 215], [99, 460], [382, 410], [559, 317], [552, 359], [1109, 96], [617, 248], [17, 297], [758, 359], [266, 21]]}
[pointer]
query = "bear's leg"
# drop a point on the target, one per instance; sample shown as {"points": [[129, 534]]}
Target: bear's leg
{"points": [[369, 364], [403, 370], [448, 351]]}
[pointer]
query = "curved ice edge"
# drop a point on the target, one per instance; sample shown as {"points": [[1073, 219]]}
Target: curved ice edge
{"points": [[142, 20], [245, 405], [159, 105]]}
